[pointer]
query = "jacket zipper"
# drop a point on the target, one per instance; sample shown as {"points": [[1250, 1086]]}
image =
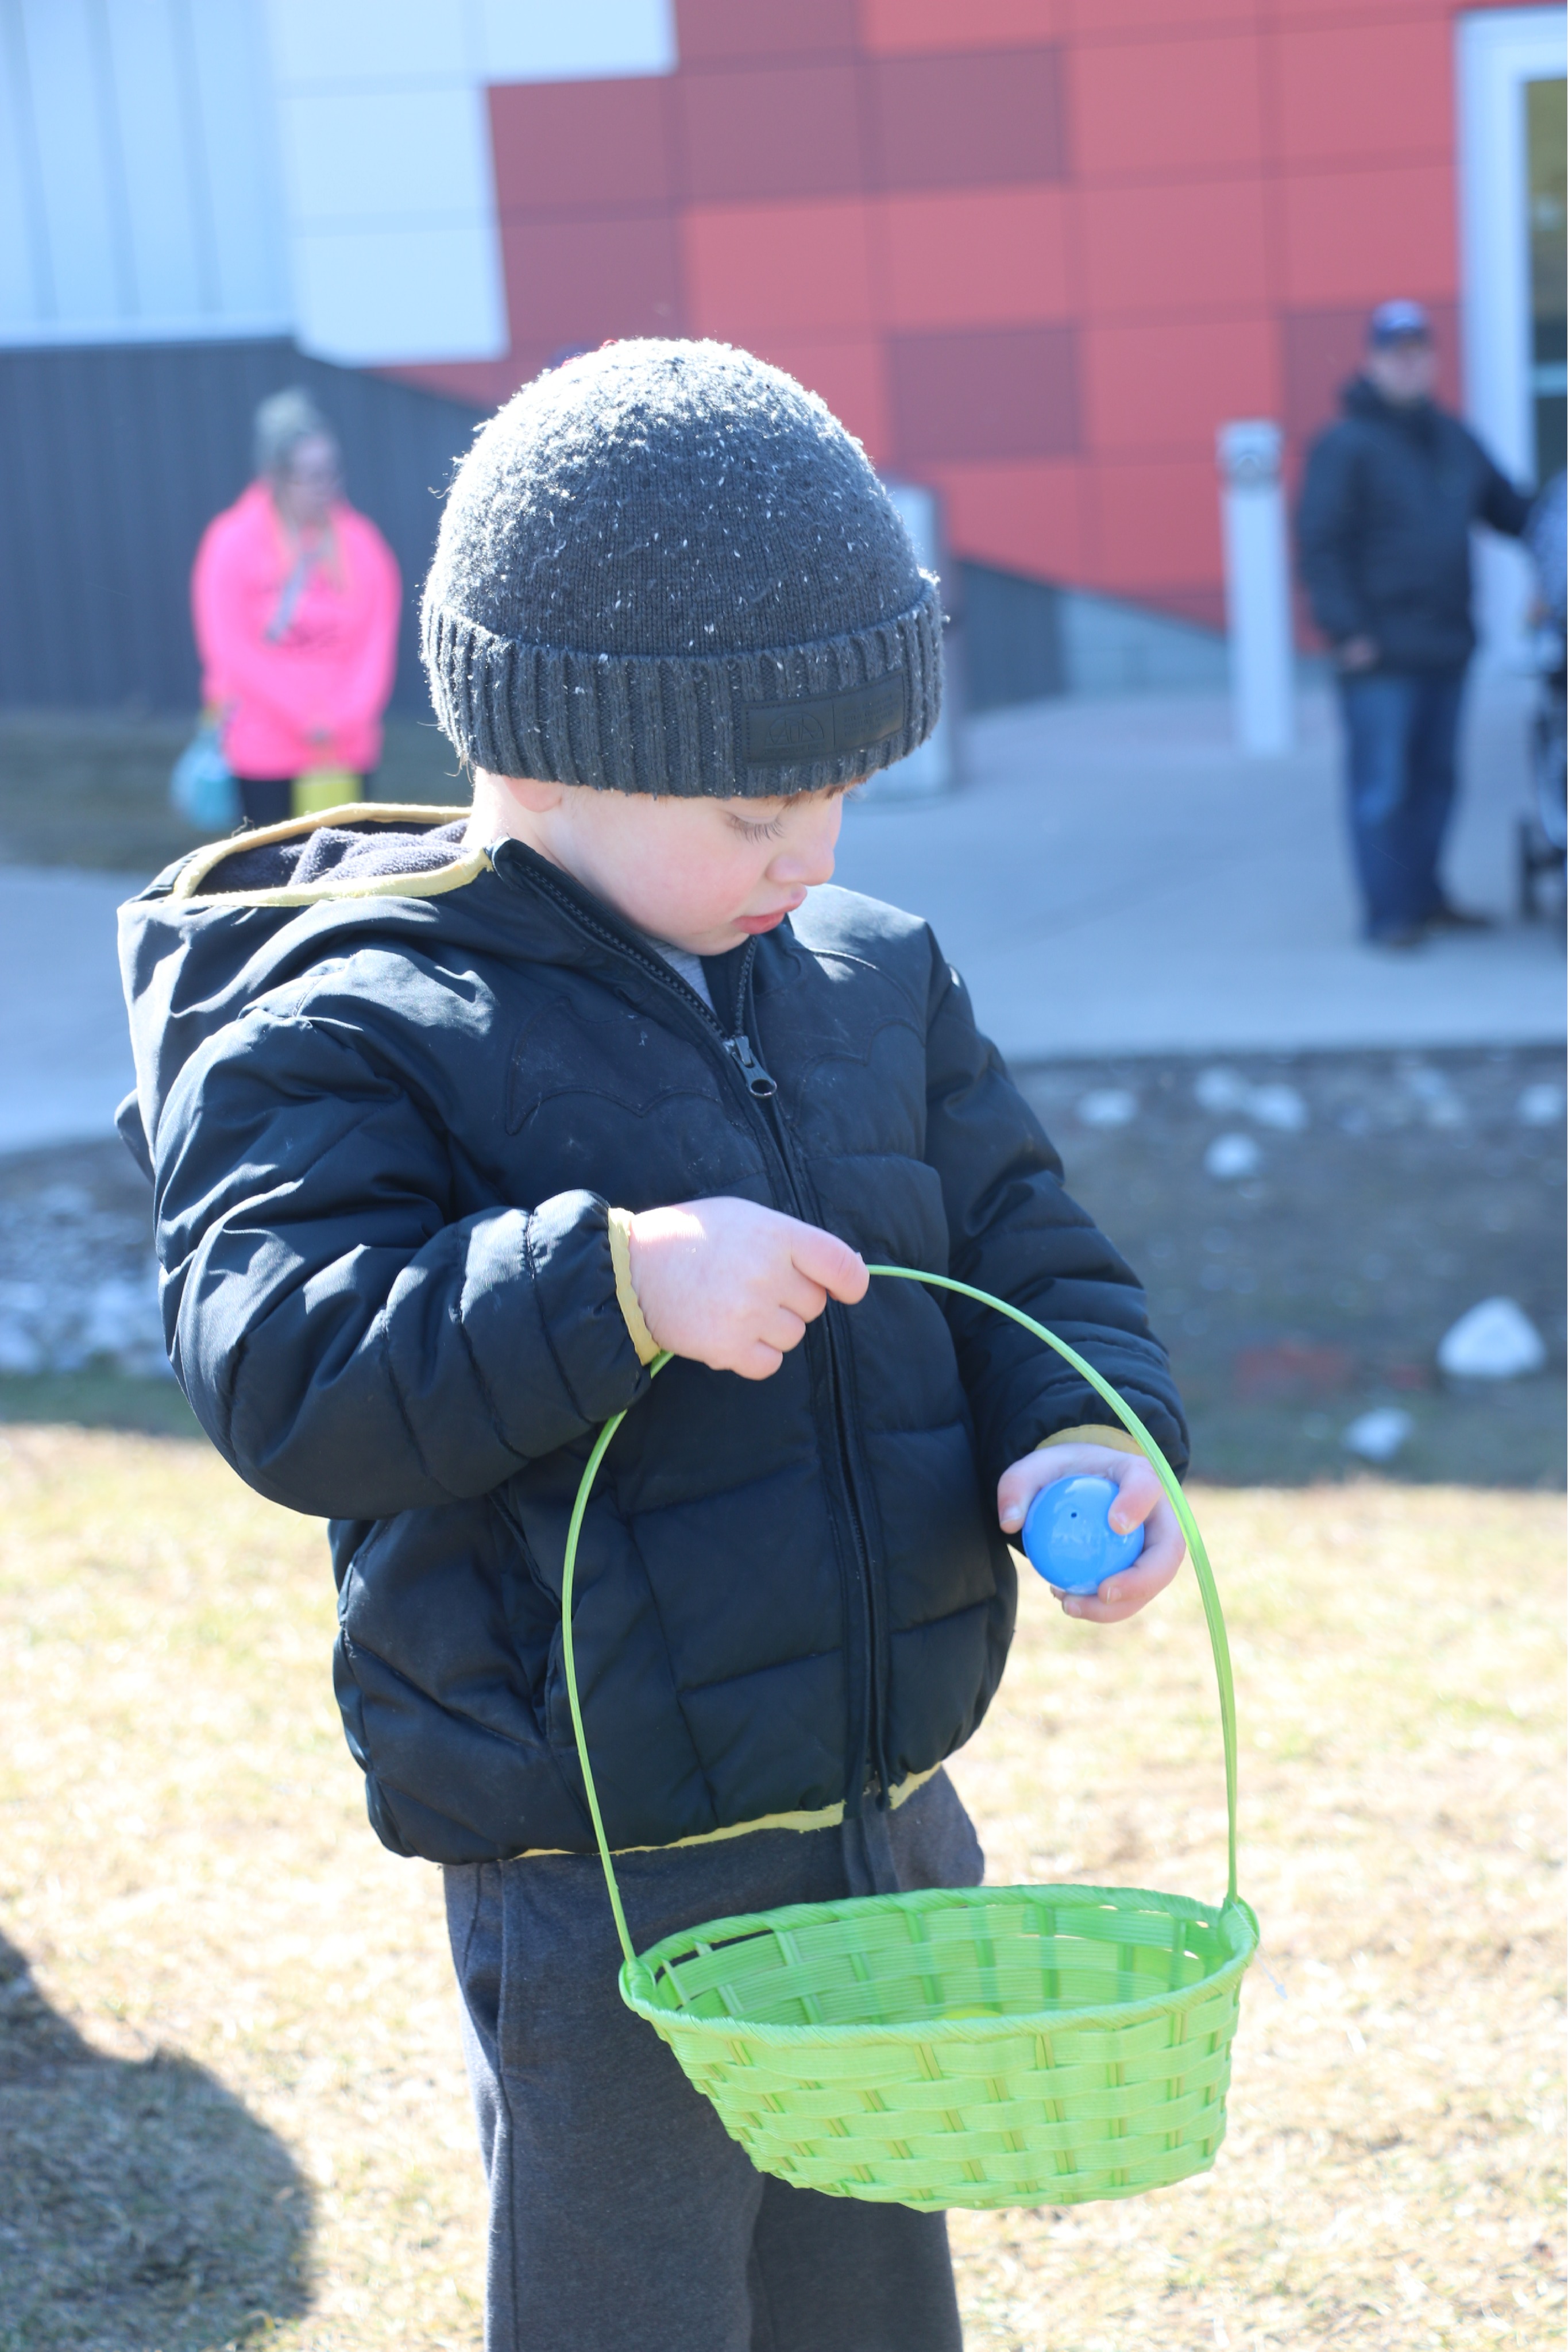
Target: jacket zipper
{"points": [[762, 1087]]}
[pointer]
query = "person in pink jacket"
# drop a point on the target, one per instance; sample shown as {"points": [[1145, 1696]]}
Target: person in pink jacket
{"points": [[295, 599]]}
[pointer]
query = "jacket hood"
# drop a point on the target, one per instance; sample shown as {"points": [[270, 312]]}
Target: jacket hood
{"points": [[244, 917]]}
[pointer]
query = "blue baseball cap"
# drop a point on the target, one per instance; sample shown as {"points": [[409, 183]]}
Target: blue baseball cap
{"points": [[1399, 322]]}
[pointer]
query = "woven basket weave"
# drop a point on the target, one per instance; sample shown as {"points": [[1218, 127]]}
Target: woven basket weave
{"points": [[1021, 2045]]}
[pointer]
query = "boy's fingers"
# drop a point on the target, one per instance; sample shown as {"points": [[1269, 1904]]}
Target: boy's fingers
{"points": [[782, 1329], [1140, 1493], [824, 1259], [1132, 1589]]}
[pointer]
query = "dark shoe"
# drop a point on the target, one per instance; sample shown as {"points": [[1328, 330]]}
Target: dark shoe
{"points": [[1445, 917], [1410, 935]]}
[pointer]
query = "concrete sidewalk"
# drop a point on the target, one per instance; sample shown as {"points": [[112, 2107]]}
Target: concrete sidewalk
{"points": [[1111, 878], [1114, 878]]}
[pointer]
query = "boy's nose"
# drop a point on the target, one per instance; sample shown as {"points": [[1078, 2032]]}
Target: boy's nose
{"points": [[809, 859]]}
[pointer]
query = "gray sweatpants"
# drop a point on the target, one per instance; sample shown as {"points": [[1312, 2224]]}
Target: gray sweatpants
{"points": [[622, 2216]]}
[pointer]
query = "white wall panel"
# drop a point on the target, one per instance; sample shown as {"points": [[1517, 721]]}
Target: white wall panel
{"points": [[544, 40], [139, 188], [171, 168], [391, 155], [156, 137], [26, 280], [78, 203], [369, 296], [232, 69], [370, 41]]}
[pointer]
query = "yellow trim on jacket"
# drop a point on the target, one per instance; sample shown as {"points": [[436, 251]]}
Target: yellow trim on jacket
{"points": [[466, 867]]}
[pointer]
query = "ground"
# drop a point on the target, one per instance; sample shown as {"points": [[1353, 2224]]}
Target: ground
{"points": [[82, 790], [1293, 1298], [231, 2098]]}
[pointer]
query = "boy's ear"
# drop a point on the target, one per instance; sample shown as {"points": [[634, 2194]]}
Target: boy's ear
{"points": [[531, 793]]}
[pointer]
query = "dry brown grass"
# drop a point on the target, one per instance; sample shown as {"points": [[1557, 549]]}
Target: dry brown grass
{"points": [[236, 2103]]}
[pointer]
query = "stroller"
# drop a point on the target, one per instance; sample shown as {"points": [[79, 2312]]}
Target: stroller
{"points": [[1543, 829]]}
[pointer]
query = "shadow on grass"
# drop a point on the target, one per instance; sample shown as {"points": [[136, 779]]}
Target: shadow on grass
{"points": [[142, 2209]]}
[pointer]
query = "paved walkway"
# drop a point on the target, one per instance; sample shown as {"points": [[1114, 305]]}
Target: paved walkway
{"points": [[1112, 878]]}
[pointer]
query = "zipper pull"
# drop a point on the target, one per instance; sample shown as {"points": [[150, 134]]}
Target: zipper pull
{"points": [[756, 1078]]}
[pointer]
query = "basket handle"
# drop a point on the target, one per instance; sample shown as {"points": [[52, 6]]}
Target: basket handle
{"points": [[1213, 1614]]}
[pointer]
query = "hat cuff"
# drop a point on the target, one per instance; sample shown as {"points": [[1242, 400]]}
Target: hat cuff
{"points": [[785, 720]]}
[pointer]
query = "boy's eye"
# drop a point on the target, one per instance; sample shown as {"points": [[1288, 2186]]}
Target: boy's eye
{"points": [[758, 832]]}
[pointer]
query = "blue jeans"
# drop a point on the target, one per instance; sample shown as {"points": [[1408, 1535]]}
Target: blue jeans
{"points": [[1401, 730]]}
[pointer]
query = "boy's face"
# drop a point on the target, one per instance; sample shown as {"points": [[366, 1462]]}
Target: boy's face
{"points": [[704, 874]]}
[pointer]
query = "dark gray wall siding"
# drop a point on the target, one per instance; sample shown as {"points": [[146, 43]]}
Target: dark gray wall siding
{"points": [[114, 458]]}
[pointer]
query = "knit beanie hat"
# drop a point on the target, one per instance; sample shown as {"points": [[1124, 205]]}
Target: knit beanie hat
{"points": [[664, 567]]}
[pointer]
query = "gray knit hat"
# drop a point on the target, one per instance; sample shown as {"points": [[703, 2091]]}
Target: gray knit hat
{"points": [[664, 567]]}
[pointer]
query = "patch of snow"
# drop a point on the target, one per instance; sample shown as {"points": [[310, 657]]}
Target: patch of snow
{"points": [[1495, 1340], [1378, 1435], [1232, 1157], [1108, 1107], [1541, 1105]]}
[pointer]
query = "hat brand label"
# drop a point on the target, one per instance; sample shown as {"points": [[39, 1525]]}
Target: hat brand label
{"points": [[826, 727]]}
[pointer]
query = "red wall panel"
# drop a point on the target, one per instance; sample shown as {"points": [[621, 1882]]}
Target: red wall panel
{"points": [[759, 269], [974, 256], [1168, 387], [1147, 108], [900, 27], [967, 121], [711, 29], [780, 130], [1365, 93], [1031, 251], [603, 146], [1168, 250], [1361, 236], [1009, 392], [1025, 518], [578, 281], [1157, 523]]}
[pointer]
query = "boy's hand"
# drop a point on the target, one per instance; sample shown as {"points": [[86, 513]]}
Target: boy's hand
{"points": [[734, 1285], [1143, 1502]]}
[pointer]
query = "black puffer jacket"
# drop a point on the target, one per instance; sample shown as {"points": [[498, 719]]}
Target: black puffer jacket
{"points": [[1383, 529], [385, 1110]]}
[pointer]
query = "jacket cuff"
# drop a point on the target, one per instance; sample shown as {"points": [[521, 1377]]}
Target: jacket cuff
{"points": [[1093, 1433], [642, 1338]]}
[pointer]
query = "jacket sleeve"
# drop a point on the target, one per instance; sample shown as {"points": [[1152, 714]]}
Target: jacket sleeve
{"points": [[1326, 538], [1500, 503], [349, 1346], [1014, 1232]]}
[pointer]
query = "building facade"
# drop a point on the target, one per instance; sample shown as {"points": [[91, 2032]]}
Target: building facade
{"points": [[1034, 252]]}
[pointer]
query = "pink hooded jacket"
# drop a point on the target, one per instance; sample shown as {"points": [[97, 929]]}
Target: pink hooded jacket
{"points": [[311, 696]]}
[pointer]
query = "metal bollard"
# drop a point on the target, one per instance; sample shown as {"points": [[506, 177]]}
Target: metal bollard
{"points": [[1258, 585]]}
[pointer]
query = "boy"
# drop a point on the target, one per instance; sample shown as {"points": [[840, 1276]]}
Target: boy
{"points": [[454, 1125]]}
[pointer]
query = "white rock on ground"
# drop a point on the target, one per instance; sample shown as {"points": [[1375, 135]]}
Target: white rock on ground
{"points": [[1495, 1341], [1541, 1105], [1108, 1107], [1231, 1157], [1378, 1435]]}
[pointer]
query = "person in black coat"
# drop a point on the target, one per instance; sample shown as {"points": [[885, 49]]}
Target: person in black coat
{"points": [[1382, 535], [455, 1127]]}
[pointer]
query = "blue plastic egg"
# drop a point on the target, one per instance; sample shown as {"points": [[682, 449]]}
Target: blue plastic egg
{"points": [[1068, 1537]]}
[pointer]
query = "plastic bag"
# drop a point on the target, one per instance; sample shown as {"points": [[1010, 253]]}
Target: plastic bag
{"points": [[202, 788]]}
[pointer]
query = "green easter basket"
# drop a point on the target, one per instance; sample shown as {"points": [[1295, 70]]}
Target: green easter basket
{"points": [[994, 2045]]}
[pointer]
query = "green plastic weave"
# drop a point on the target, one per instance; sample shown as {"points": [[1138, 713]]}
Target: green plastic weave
{"points": [[1005, 2045]]}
